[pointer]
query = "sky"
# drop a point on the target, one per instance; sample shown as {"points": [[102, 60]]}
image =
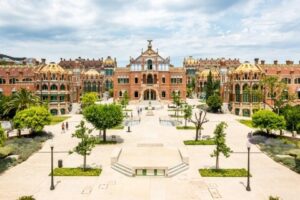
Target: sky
{"points": [[244, 29]]}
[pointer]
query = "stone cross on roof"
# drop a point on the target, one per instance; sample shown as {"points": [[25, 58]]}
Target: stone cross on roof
{"points": [[149, 45]]}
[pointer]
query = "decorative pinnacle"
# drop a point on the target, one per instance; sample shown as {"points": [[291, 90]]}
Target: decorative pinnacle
{"points": [[149, 45]]}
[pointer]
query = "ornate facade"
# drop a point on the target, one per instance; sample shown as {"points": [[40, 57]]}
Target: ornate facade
{"points": [[149, 77]]}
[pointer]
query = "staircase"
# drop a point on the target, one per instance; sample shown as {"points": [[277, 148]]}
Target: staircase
{"points": [[122, 169], [177, 169]]}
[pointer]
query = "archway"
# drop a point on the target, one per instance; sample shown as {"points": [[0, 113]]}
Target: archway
{"points": [[149, 94]]}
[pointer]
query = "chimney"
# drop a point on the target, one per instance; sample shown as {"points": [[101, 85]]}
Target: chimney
{"points": [[256, 60], [262, 62], [43, 60], [275, 62]]}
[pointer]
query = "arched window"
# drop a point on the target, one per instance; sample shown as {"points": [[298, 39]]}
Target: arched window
{"points": [[53, 77], [297, 81], [149, 64], [53, 87], [89, 87], [237, 93], [136, 94], [37, 87], [44, 87], [13, 81], [149, 79], [255, 95], [120, 93], [245, 93], [62, 87], [2, 81], [94, 87]]}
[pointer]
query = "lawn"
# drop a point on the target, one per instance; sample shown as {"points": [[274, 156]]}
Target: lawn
{"points": [[247, 122], [76, 172], [23, 147], [280, 148], [58, 119], [185, 127], [118, 127], [199, 142], [223, 172]]}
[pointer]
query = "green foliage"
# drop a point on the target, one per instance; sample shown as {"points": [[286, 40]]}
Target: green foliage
{"points": [[57, 119], [7, 163], [34, 118], [273, 198], [76, 172], [185, 127], [214, 103], [125, 99], [200, 142], [21, 100], [2, 136], [268, 120], [292, 117], [246, 122], [111, 92], [223, 172], [118, 127], [212, 87], [87, 141], [104, 116], [89, 98], [6, 151], [187, 111], [220, 142], [3, 101], [26, 198]]}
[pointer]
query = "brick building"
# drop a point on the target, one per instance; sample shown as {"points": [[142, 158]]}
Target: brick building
{"points": [[149, 77]]}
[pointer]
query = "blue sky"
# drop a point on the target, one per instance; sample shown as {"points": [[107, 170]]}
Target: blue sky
{"points": [[51, 29]]}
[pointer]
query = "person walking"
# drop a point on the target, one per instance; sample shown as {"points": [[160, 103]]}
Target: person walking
{"points": [[67, 126], [63, 127]]}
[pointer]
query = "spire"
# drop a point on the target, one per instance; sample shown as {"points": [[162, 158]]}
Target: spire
{"points": [[149, 45]]}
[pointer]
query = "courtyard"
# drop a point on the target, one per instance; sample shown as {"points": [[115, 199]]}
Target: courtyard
{"points": [[268, 177]]}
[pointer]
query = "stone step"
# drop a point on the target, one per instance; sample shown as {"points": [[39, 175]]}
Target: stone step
{"points": [[122, 171], [123, 166], [176, 167], [178, 170]]}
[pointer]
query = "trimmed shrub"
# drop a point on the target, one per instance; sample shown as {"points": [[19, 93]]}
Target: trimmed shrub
{"points": [[5, 151]]}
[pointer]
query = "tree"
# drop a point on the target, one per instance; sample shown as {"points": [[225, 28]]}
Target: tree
{"points": [[200, 119], [21, 100], [209, 89], [214, 103], [104, 116], [35, 118], [188, 111], [176, 101], [292, 117], [125, 100], [3, 101], [220, 141], [2, 136], [191, 87], [87, 141], [89, 98], [266, 119]]}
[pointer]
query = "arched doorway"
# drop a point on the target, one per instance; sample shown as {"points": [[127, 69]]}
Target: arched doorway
{"points": [[149, 95]]}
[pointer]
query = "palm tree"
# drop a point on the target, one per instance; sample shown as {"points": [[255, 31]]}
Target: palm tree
{"points": [[21, 100]]}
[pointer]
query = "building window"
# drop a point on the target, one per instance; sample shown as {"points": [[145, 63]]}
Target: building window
{"points": [[246, 112], [13, 81], [237, 93], [163, 94], [53, 98], [2, 81], [255, 93], [149, 64], [120, 94], [136, 80], [62, 98], [53, 77], [136, 94], [37, 87], [53, 87], [62, 87], [44, 87], [123, 80], [286, 80], [149, 79], [297, 81], [245, 93], [163, 80]]}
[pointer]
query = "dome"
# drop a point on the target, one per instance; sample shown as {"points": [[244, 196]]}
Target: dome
{"points": [[247, 67], [205, 72], [52, 68], [92, 72], [109, 61], [190, 61]]}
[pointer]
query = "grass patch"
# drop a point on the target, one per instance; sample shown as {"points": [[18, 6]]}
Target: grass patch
{"points": [[223, 172], [199, 142], [247, 122], [127, 110], [24, 147], [76, 172], [106, 142], [185, 127], [58, 119], [118, 127]]}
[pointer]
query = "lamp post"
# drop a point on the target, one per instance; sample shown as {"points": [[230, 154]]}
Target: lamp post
{"points": [[52, 180], [248, 174]]}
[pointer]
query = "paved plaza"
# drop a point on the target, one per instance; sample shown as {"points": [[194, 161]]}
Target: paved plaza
{"points": [[269, 178]]}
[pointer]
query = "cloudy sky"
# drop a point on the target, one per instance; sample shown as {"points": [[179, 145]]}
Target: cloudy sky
{"points": [[268, 29]]}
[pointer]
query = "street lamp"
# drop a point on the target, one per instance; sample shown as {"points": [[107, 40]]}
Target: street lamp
{"points": [[248, 175], [52, 180]]}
